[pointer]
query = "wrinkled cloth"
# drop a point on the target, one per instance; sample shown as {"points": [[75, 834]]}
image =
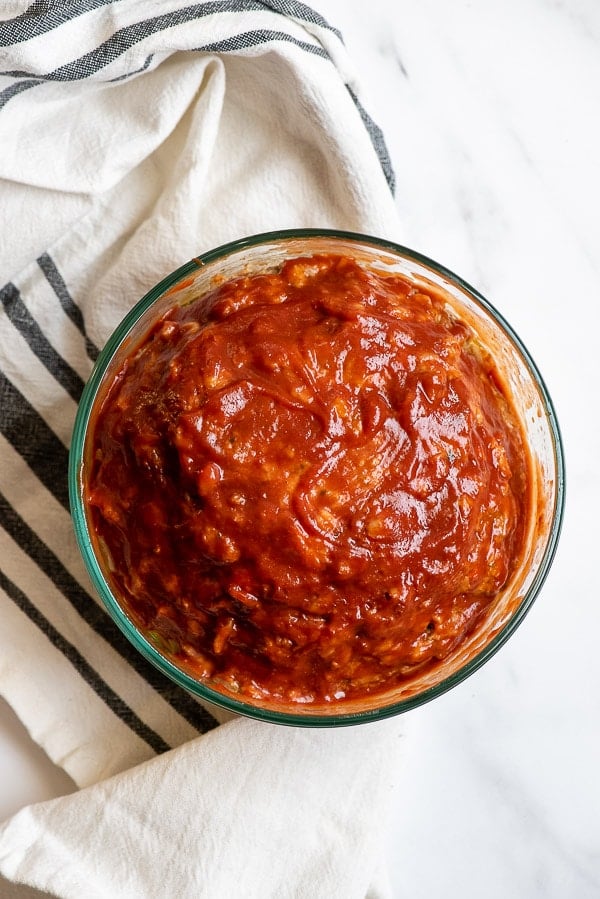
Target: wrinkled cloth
{"points": [[248, 810], [134, 136]]}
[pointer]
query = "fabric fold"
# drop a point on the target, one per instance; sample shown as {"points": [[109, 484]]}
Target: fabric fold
{"points": [[220, 816]]}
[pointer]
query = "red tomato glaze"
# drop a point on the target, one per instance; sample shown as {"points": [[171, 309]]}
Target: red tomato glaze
{"points": [[310, 483]]}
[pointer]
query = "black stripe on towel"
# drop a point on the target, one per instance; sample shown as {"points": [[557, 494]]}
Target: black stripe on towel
{"points": [[34, 21], [72, 310], [293, 10], [378, 141], [90, 676], [16, 88], [125, 38], [138, 71], [26, 25], [31, 437], [99, 620], [253, 38], [26, 325], [121, 42]]}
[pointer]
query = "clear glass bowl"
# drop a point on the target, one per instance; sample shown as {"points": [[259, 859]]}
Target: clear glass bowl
{"points": [[266, 251]]}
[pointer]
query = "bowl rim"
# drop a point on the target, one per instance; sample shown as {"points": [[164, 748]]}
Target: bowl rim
{"points": [[143, 645]]}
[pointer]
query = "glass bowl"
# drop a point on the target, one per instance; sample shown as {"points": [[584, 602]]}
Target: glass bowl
{"points": [[265, 252]]}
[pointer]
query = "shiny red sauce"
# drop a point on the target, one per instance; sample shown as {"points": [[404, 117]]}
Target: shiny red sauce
{"points": [[310, 483]]}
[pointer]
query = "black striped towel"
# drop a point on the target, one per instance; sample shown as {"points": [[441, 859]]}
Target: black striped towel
{"points": [[135, 134]]}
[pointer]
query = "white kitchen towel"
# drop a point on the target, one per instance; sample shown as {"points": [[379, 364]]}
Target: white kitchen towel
{"points": [[246, 811], [135, 134]]}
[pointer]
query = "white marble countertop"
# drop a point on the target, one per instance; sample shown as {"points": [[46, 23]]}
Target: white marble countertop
{"points": [[490, 111]]}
